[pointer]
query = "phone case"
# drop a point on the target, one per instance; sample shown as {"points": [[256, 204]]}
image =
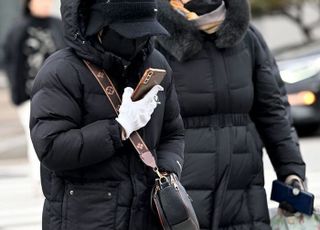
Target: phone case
{"points": [[150, 78], [282, 192]]}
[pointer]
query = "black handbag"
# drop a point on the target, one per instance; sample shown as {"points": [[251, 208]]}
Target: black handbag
{"points": [[169, 198], [173, 204]]}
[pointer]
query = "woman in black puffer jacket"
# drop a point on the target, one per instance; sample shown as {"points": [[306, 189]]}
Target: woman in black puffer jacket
{"points": [[231, 95], [92, 179]]}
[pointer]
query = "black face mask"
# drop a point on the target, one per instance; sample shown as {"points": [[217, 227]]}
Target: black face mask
{"points": [[201, 7], [122, 47]]}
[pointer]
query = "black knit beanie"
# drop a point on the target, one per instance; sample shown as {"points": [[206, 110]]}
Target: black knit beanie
{"points": [[130, 18]]}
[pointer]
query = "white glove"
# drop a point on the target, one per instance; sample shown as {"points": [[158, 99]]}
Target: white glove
{"points": [[134, 115]]}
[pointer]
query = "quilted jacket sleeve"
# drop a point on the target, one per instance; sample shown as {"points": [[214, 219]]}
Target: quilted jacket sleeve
{"points": [[60, 140], [276, 74], [271, 116]]}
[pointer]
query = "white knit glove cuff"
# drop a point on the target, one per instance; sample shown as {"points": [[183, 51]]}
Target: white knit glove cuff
{"points": [[126, 125]]}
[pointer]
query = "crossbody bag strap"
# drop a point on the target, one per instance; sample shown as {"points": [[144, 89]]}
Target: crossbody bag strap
{"points": [[115, 100]]}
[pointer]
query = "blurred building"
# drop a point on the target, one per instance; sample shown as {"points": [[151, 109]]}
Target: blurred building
{"points": [[56, 9], [280, 32], [9, 10]]}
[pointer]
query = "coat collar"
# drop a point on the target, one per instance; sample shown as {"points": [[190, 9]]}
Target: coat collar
{"points": [[186, 40]]}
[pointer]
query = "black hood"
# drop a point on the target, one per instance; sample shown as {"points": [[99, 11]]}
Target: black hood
{"points": [[186, 40], [75, 18]]}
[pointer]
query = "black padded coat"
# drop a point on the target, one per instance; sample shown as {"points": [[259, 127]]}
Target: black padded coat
{"points": [[231, 97], [90, 178]]}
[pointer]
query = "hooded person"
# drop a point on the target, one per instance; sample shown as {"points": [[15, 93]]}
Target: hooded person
{"points": [[92, 177], [231, 97], [33, 37]]}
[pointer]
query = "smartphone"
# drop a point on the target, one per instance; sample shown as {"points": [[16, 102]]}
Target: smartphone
{"points": [[302, 202], [150, 78]]}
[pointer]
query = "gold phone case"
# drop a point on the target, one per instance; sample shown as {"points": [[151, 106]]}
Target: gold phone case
{"points": [[150, 78]]}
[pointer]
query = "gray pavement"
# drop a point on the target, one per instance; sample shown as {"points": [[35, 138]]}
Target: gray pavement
{"points": [[21, 201], [12, 141]]}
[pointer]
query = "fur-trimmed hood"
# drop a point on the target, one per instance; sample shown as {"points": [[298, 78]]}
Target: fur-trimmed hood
{"points": [[186, 40]]}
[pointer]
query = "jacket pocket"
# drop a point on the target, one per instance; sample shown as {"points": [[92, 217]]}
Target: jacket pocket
{"points": [[90, 206]]}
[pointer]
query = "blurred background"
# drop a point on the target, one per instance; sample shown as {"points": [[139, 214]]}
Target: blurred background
{"points": [[292, 30]]}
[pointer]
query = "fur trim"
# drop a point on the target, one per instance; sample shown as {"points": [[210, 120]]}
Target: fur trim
{"points": [[236, 24], [186, 40]]}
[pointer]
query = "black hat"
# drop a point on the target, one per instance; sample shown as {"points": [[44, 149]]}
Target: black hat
{"points": [[130, 18]]}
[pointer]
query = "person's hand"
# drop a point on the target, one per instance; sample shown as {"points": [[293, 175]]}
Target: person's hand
{"points": [[134, 115], [297, 185], [295, 182]]}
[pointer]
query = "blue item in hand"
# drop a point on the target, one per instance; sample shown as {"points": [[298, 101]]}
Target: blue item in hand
{"points": [[301, 201]]}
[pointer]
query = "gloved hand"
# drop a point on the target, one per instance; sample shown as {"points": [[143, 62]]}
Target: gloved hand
{"points": [[295, 182], [297, 185], [134, 115]]}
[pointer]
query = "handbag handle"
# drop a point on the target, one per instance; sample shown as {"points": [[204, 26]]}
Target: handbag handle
{"points": [[115, 100]]}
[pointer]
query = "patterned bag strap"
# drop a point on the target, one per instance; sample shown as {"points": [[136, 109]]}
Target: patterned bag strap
{"points": [[115, 100]]}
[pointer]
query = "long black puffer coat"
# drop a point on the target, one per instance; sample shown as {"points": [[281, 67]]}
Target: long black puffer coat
{"points": [[231, 96], [91, 180]]}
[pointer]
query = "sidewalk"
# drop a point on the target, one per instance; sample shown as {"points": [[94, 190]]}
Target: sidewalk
{"points": [[20, 204], [12, 140], [20, 207]]}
